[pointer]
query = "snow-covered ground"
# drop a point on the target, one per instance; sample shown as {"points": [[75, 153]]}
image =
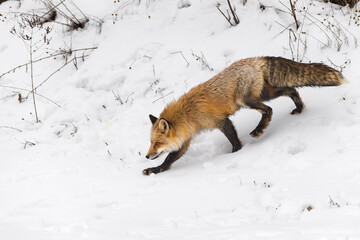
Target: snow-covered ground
{"points": [[77, 173]]}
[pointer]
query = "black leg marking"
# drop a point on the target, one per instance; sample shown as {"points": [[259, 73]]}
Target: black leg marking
{"points": [[294, 95], [266, 112], [270, 92], [229, 131], [170, 159]]}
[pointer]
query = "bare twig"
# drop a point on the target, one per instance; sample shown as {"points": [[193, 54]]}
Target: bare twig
{"points": [[117, 97], [339, 41], [122, 160], [299, 34], [29, 91], [29, 143], [228, 18], [78, 22], [156, 82], [79, 10], [285, 28], [129, 96], [182, 56], [32, 74], [294, 14], [58, 70], [145, 56], [75, 129], [332, 203], [123, 5], [70, 16], [341, 67], [203, 61], [13, 128], [47, 57], [108, 151], [52, 9], [235, 17], [42, 17], [163, 96]]}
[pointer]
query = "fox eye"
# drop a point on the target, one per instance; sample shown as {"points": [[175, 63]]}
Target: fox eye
{"points": [[156, 144]]}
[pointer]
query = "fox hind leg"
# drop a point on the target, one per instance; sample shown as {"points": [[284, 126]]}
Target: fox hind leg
{"points": [[266, 112], [269, 92], [229, 131], [294, 95]]}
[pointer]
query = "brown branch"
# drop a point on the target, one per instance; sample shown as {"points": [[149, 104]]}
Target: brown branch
{"points": [[71, 13], [294, 14], [236, 19], [227, 18], [51, 9], [61, 12]]}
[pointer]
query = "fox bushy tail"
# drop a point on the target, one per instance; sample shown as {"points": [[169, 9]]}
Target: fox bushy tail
{"points": [[286, 73]]}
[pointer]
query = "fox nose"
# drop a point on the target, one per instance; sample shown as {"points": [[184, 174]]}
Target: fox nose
{"points": [[147, 156]]}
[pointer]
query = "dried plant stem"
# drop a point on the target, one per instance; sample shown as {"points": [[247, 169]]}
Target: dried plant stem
{"points": [[32, 74], [26, 90], [338, 40], [41, 17], [182, 56], [58, 70], [52, 9], [299, 36], [117, 97], [71, 13], [228, 18], [294, 14], [47, 57], [236, 19], [163, 96], [13, 128], [79, 10]]}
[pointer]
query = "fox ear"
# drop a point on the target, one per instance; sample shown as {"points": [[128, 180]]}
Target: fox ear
{"points": [[164, 125], [152, 119]]}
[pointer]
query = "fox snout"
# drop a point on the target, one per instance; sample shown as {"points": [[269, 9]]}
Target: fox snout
{"points": [[152, 156]]}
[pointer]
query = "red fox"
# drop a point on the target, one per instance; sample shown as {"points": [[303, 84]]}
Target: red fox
{"points": [[246, 83]]}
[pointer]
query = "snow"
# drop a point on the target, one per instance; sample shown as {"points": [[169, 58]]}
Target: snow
{"points": [[77, 173]]}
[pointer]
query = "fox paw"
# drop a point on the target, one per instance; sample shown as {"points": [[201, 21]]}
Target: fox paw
{"points": [[236, 148], [154, 170], [256, 133], [297, 111]]}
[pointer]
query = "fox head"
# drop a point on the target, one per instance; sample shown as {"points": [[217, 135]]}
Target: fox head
{"points": [[163, 138]]}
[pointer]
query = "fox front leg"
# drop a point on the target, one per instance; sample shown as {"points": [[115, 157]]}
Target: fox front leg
{"points": [[229, 131], [170, 159]]}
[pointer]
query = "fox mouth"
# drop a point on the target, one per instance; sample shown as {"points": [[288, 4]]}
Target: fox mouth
{"points": [[152, 157]]}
